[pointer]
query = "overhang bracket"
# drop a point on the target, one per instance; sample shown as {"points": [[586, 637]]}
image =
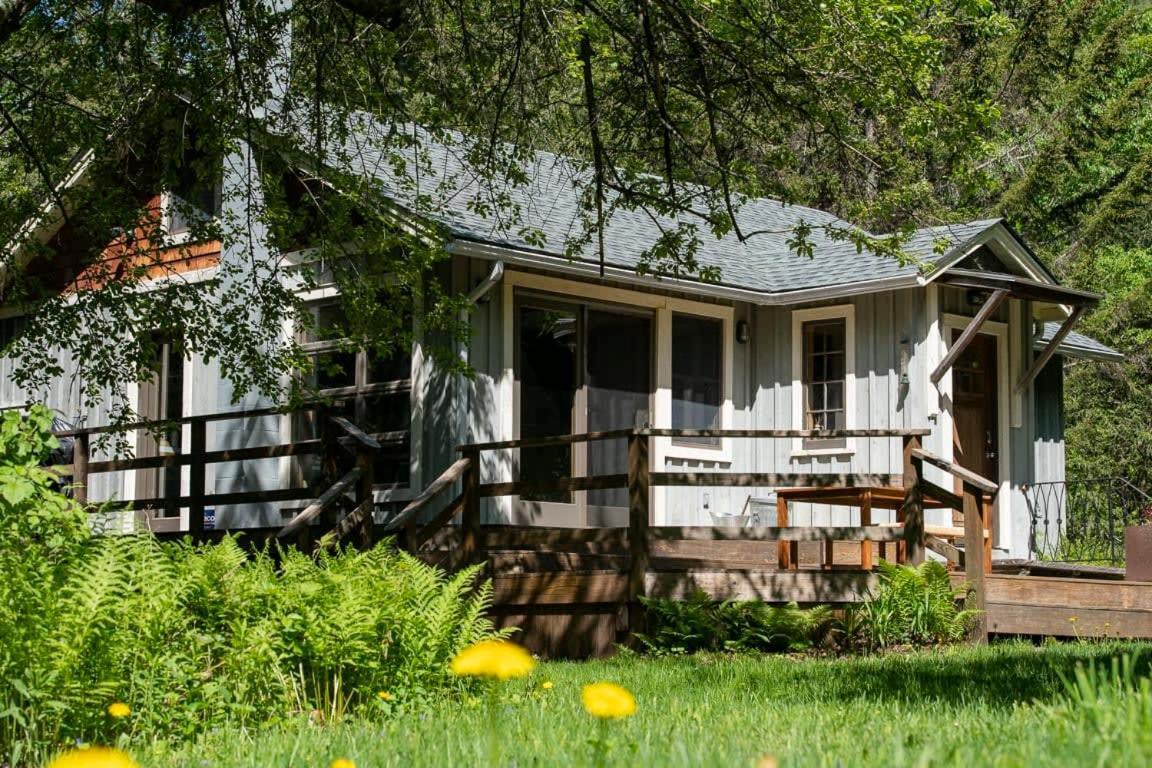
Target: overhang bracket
{"points": [[990, 306], [1046, 354]]}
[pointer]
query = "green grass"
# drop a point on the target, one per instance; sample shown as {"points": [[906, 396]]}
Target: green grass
{"points": [[1000, 706]]}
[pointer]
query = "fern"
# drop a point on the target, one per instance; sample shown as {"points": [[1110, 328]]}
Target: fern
{"points": [[913, 605]]}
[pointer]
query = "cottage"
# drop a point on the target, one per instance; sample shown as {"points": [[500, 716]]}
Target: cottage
{"points": [[967, 344]]}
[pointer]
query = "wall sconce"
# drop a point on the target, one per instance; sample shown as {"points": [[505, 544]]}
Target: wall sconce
{"points": [[976, 296], [905, 357], [743, 332]]}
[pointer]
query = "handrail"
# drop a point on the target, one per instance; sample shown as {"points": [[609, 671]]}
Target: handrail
{"points": [[356, 433], [278, 410], [958, 471], [326, 499], [434, 489], [812, 434]]}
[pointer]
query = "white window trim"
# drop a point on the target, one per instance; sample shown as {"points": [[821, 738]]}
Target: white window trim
{"points": [[800, 316], [1004, 380], [171, 238], [663, 307]]}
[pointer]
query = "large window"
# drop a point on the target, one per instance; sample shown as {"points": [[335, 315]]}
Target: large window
{"points": [[370, 390], [697, 365]]}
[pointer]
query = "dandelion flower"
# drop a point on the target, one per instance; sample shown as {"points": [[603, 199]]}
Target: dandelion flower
{"points": [[384, 696], [94, 757], [608, 700], [342, 762], [119, 709], [547, 685], [497, 659], [766, 761]]}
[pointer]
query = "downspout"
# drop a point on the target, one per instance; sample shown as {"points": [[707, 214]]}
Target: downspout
{"points": [[474, 296]]}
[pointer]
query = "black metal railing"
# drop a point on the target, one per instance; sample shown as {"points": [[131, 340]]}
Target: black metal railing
{"points": [[1083, 521]]}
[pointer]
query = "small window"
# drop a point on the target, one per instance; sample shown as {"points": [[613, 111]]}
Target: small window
{"points": [[697, 357], [824, 380], [11, 328], [196, 193], [370, 390]]}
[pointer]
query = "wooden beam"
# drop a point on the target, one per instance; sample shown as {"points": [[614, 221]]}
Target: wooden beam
{"points": [[197, 477], [769, 479], [912, 513], [966, 475], [780, 533], [1046, 354], [542, 442], [471, 544], [434, 489], [313, 510], [929, 488], [638, 529], [415, 541], [969, 335], [525, 487], [974, 562], [769, 585], [355, 433], [941, 547]]}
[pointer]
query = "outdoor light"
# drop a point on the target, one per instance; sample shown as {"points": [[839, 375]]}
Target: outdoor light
{"points": [[905, 356], [743, 333]]}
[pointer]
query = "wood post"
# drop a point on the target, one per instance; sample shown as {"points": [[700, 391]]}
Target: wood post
{"points": [[986, 516], [913, 508], [470, 516], [974, 558], [638, 521], [196, 477], [785, 549], [866, 521], [365, 497], [80, 453]]}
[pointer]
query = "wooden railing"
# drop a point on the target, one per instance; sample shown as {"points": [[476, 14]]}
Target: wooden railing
{"points": [[341, 442], [975, 500]]}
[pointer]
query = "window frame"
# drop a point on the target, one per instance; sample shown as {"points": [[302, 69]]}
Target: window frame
{"points": [[677, 443], [361, 389], [800, 318]]}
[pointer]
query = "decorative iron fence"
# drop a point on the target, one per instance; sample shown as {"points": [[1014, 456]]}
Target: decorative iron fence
{"points": [[1083, 521]]}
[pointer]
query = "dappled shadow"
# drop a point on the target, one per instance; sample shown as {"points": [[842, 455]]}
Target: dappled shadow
{"points": [[1015, 673]]}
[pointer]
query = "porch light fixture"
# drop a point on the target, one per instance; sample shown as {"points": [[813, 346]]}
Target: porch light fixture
{"points": [[743, 333], [976, 296]]}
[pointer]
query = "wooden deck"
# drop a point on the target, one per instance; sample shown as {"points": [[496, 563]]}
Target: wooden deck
{"points": [[577, 592]]}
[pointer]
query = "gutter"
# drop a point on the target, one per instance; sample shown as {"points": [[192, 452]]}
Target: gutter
{"points": [[474, 296], [522, 257]]}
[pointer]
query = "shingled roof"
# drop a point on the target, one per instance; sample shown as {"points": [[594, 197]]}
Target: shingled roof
{"points": [[439, 184]]}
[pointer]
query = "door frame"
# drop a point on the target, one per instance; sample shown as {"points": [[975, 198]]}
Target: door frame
{"points": [[999, 331], [578, 509]]}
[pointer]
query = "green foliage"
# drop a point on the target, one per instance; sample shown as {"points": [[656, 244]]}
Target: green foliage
{"points": [[701, 624], [913, 606], [199, 637]]}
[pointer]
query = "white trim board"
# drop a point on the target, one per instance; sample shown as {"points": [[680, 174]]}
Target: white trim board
{"points": [[951, 322], [799, 318]]}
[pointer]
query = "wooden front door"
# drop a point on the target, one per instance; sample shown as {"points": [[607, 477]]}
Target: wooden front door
{"points": [[975, 408]]}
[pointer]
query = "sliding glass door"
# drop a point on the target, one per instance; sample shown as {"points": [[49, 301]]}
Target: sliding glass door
{"points": [[579, 368]]}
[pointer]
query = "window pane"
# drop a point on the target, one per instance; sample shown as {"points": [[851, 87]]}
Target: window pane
{"points": [[332, 370], [834, 391], [548, 382], [386, 412], [395, 367], [824, 374], [697, 358]]}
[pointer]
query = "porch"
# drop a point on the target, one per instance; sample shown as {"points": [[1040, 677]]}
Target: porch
{"points": [[577, 591]]}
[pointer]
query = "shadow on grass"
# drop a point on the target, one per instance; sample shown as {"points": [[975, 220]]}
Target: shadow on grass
{"points": [[998, 676]]}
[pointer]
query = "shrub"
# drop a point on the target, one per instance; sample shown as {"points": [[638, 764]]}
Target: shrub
{"points": [[913, 605], [195, 637], [702, 624]]}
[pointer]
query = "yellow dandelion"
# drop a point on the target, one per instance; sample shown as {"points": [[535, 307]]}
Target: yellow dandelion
{"points": [[94, 757], [384, 696], [547, 685], [608, 700], [497, 659], [1073, 619], [342, 762], [766, 761], [119, 709]]}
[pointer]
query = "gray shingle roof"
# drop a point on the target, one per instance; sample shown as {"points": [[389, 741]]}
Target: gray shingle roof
{"points": [[438, 183], [1077, 345]]}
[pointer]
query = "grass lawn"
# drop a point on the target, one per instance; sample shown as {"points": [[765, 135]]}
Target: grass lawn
{"points": [[1004, 705]]}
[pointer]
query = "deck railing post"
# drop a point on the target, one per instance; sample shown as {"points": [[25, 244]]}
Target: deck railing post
{"points": [[974, 566], [913, 509], [80, 452], [470, 550], [365, 496], [638, 533], [196, 477]]}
